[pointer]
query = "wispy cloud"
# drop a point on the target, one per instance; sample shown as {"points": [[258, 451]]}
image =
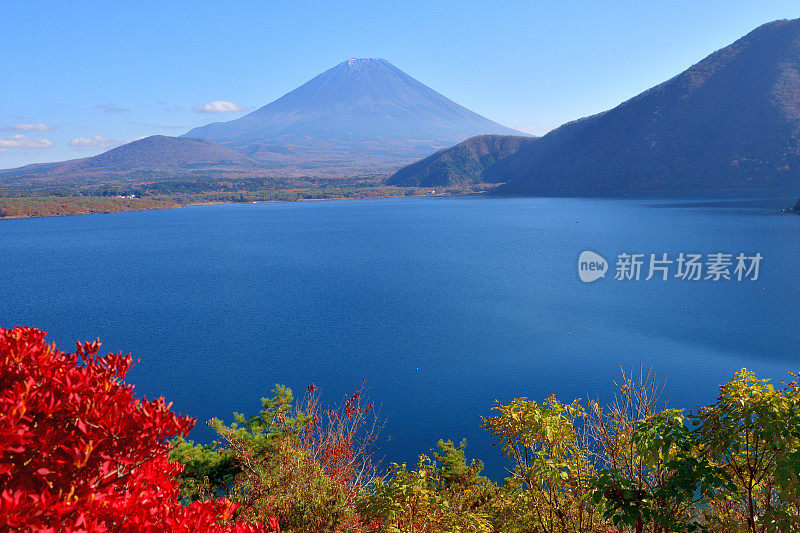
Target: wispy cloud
{"points": [[93, 142], [219, 106], [39, 126], [21, 142], [169, 107], [161, 126], [111, 108]]}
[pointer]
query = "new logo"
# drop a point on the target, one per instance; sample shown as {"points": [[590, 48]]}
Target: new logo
{"points": [[591, 266]]}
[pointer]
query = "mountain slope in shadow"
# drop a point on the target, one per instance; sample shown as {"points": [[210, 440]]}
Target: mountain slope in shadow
{"points": [[730, 121]]}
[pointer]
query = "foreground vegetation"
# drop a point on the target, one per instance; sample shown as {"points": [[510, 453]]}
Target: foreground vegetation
{"points": [[79, 453]]}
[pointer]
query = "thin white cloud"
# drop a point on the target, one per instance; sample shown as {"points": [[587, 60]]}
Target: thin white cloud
{"points": [[20, 142], [39, 126], [219, 106], [93, 142], [169, 107], [111, 108], [151, 125]]}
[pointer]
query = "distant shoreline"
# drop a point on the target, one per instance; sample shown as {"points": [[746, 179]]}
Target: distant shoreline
{"points": [[34, 206], [70, 206]]}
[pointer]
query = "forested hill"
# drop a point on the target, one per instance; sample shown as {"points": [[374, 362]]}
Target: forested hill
{"points": [[730, 121], [462, 164]]}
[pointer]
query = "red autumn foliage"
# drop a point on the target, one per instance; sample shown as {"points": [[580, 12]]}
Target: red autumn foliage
{"points": [[341, 440], [79, 453]]}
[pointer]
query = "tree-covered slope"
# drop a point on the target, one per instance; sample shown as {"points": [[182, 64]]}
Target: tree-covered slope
{"points": [[730, 121], [461, 164]]}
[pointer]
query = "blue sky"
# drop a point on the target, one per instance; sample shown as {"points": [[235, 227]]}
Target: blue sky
{"points": [[81, 77]]}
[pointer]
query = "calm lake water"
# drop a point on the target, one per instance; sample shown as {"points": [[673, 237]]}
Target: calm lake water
{"points": [[441, 304]]}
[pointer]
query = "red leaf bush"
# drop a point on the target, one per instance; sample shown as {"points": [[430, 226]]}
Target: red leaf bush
{"points": [[79, 453]]}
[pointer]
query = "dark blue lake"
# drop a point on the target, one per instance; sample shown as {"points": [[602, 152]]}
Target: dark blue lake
{"points": [[441, 304]]}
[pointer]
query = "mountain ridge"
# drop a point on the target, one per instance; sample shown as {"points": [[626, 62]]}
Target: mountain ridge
{"points": [[361, 109], [154, 154], [732, 120], [360, 118]]}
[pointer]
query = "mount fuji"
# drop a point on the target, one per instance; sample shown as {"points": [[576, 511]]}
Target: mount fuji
{"points": [[363, 114]]}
